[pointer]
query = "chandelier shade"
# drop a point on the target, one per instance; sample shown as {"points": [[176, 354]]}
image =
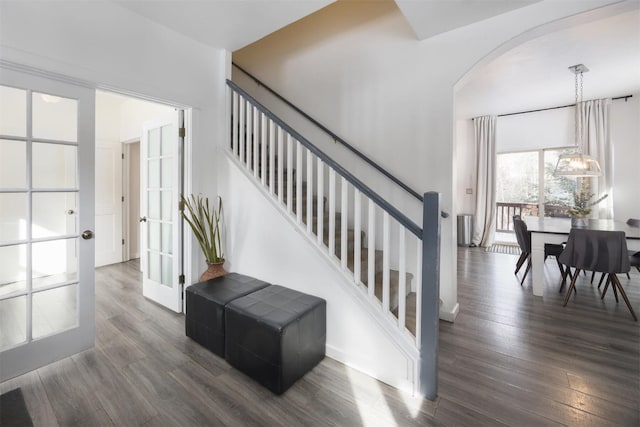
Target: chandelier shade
{"points": [[577, 165]]}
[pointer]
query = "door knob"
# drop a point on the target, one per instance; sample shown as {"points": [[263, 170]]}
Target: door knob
{"points": [[87, 234], [70, 212], [143, 219]]}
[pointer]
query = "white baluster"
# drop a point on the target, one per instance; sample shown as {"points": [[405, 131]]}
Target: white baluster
{"points": [[385, 261], [320, 201], [402, 286], [344, 222], [272, 155], [357, 226], [249, 147], [371, 256], [281, 163], [299, 169], [289, 173], [418, 291], [263, 149], [242, 131], [309, 191], [332, 212], [234, 123], [256, 141]]}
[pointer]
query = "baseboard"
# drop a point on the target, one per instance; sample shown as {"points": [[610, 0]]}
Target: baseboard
{"points": [[361, 366], [450, 316]]}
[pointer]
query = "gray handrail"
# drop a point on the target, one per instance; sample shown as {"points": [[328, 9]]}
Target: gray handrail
{"points": [[336, 138], [386, 206]]}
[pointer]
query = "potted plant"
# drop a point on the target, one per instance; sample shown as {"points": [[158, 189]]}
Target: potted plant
{"points": [[582, 207], [205, 222]]}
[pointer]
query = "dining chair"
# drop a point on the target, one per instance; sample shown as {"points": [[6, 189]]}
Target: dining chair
{"points": [[634, 258], [599, 251], [524, 241]]}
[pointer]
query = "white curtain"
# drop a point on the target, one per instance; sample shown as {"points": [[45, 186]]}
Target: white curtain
{"points": [[594, 137], [484, 224]]}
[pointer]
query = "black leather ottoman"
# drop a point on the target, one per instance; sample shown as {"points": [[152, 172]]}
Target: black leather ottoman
{"points": [[206, 301], [276, 335]]}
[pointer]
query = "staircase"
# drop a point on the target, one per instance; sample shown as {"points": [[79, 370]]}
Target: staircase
{"points": [[351, 241], [391, 262]]}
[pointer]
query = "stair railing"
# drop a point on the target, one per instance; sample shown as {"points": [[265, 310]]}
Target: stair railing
{"points": [[300, 177]]}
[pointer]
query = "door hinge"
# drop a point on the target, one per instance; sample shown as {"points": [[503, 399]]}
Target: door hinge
{"points": [[181, 279], [122, 156], [123, 198], [123, 241], [181, 205], [182, 132]]}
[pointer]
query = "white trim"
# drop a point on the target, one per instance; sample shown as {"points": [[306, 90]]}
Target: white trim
{"points": [[450, 316]]}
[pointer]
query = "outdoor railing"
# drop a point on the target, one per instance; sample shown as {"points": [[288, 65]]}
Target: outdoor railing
{"points": [[505, 212]]}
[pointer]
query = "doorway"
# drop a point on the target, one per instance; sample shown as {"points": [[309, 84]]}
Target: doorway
{"points": [[131, 206], [136, 205]]}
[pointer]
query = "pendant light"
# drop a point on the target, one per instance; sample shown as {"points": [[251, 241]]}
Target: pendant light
{"points": [[577, 164]]}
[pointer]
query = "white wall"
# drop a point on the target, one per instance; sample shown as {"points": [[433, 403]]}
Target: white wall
{"points": [[268, 246], [105, 45], [133, 114], [554, 128], [357, 67]]}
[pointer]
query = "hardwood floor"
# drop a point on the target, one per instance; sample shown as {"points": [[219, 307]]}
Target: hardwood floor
{"points": [[510, 359]]}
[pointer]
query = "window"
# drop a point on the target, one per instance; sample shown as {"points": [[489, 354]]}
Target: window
{"points": [[520, 191]]}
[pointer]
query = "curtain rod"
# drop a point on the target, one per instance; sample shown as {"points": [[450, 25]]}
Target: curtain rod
{"points": [[625, 97]]}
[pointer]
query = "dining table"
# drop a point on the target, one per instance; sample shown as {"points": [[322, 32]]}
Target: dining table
{"points": [[556, 230]]}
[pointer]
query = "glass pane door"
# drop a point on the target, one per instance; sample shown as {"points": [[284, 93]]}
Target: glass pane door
{"points": [[160, 155], [558, 190], [46, 269], [516, 188]]}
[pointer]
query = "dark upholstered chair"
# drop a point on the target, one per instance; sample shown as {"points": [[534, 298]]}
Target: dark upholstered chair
{"points": [[599, 251], [524, 241], [634, 258]]}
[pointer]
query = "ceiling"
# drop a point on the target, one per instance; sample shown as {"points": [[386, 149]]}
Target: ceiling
{"points": [[225, 24], [430, 17], [535, 74], [532, 75]]}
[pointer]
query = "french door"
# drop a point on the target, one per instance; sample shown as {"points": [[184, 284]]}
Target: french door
{"points": [[161, 223], [47, 131]]}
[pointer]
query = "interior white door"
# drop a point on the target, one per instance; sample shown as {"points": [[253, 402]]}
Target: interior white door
{"points": [[47, 131], [161, 246], [108, 202]]}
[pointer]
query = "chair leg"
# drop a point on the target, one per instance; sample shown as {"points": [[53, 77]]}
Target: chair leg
{"points": [[526, 271], [616, 282], [606, 286], [521, 260], [593, 273], [571, 287], [628, 277], [615, 291], [601, 279]]}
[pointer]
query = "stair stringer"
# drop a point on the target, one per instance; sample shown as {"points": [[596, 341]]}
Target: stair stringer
{"points": [[359, 334]]}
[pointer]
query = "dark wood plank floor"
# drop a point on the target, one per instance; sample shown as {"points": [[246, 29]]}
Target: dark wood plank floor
{"points": [[510, 359]]}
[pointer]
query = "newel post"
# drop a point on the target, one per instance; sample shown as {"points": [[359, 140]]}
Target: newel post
{"points": [[430, 298]]}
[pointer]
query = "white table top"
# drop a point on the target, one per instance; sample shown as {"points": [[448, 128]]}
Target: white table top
{"points": [[563, 226]]}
